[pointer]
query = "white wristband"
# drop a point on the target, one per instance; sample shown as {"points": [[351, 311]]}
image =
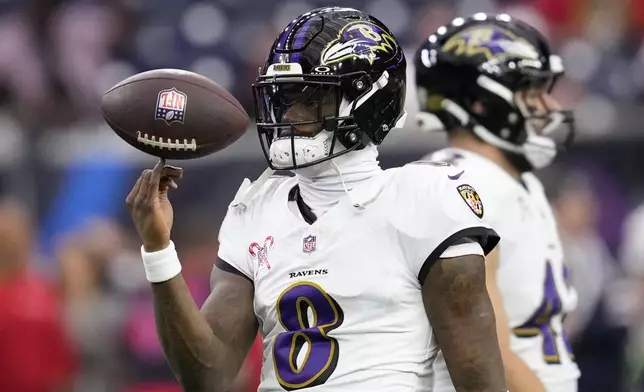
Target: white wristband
{"points": [[162, 265]]}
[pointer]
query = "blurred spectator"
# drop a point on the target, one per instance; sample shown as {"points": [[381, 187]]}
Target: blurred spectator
{"points": [[95, 302], [58, 56], [52, 53], [22, 68], [36, 353], [83, 35], [597, 327]]}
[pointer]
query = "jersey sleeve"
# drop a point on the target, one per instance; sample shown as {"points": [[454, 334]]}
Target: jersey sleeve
{"points": [[632, 251], [232, 254], [440, 214]]}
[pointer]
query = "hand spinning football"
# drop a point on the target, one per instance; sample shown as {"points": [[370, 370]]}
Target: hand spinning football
{"points": [[174, 114]]}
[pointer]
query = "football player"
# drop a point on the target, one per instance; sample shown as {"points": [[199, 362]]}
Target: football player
{"points": [[487, 81], [343, 266]]}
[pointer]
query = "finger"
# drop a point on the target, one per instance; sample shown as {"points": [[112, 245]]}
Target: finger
{"points": [[168, 183], [155, 179], [135, 190], [142, 196], [172, 172], [164, 190], [156, 171]]}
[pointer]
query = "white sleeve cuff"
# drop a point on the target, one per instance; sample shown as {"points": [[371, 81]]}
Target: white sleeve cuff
{"points": [[470, 248], [162, 265]]}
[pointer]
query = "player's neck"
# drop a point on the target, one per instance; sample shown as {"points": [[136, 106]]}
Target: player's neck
{"points": [[490, 152], [322, 187]]}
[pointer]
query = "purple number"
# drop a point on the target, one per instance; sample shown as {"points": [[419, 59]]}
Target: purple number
{"points": [[322, 353], [540, 322]]}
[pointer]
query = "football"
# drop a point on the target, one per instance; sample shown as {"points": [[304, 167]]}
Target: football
{"points": [[174, 114]]}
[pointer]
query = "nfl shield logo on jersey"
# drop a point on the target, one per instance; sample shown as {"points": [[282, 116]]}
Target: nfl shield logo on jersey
{"points": [[171, 106], [471, 198], [309, 244]]}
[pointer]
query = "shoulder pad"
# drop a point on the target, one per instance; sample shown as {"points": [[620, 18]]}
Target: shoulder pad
{"points": [[249, 190], [241, 192]]}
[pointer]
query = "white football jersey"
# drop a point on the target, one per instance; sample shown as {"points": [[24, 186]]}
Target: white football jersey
{"points": [[531, 275], [339, 301]]}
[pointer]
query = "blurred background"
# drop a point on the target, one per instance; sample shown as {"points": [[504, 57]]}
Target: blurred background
{"points": [[75, 309]]}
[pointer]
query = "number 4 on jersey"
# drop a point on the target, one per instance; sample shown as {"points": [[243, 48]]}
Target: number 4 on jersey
{"points": [[541, 322]]}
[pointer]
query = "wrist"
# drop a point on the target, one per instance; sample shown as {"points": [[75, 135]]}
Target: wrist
{"points": [[161, 265], [151, 247]]}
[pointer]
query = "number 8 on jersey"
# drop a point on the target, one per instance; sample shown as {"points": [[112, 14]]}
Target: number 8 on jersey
{"points": [[321, 357]]}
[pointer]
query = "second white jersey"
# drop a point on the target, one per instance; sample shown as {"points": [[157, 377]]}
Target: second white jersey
{"points": [[339, 301], [531, 276]]}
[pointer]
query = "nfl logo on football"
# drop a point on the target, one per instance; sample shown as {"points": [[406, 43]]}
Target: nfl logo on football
{"points": [[171, 106], [309, 244]]}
